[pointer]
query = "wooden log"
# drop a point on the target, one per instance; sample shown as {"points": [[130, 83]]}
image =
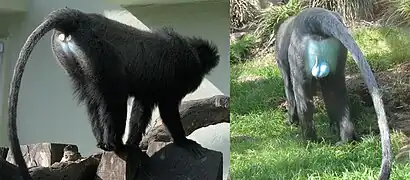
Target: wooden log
{"points": [[195, 114]]}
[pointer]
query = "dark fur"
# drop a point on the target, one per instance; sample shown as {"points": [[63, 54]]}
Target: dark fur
{"points": [[300, 86], [113, 61]]}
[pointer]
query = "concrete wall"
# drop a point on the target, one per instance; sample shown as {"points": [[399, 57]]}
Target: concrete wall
{"points": [[3, 94], [47, 110]]}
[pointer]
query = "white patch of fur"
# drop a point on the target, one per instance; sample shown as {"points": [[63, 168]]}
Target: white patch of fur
{"points": [[61, 37], [69, 47]]}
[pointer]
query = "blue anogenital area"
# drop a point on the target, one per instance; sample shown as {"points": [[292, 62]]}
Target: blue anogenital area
{"points": [[321, 56]]}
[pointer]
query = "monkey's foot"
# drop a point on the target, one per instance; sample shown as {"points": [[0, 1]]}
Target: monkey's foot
{"points": [[291, 120], [290, 123], [193, 147]]}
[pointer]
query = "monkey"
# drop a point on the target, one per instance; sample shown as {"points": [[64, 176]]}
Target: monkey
{"points": [[108, 62], [70, 153], [311, 47]]}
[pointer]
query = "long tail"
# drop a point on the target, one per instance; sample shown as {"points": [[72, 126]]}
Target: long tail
{"points": [[327, 22], [61, 19]]}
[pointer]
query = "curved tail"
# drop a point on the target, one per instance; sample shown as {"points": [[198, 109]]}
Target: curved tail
{"points": [[59, 19], [326, 22]]}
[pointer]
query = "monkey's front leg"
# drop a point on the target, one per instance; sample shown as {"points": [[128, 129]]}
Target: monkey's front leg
{"points": [[304, 104], [169, 112]]}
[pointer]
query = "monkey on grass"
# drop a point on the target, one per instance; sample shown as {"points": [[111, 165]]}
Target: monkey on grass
{"points": [[311, 47], [108, 62]]}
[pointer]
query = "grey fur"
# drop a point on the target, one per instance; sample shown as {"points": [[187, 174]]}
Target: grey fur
{"points": [[322, 22]]}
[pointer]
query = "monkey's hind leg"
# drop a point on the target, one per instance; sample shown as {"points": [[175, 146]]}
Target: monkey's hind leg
{"points": [[169, 112], [336, 101], [113, 114], [284, 68], [96, 126], [302, 87], [305, 108], [138, 125]]}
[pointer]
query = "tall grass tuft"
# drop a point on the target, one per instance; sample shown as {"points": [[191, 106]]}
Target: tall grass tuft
{"points": [[241, 49], [350, 10], [396, 12], [270, 17], [242, 14]]}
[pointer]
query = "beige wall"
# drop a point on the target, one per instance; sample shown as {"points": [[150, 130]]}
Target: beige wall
{"points": [[47, 110]]}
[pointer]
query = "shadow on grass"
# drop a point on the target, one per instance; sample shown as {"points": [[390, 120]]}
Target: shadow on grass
{"points": [[259, 128], [257, 95], [292, 157]]}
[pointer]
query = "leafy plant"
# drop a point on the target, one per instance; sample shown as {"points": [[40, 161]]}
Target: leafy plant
{"points": [[269, 17], [241, 49]]}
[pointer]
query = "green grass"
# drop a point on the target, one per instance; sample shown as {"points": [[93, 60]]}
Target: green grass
{"points": [[383, 47], [275, 150]]}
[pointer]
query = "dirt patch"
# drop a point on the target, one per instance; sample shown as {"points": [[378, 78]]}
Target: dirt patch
{"points": [[395, 87]]}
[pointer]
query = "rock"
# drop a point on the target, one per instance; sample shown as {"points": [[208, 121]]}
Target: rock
{"points": [[40, 154], [113, 166], [3, 152], [83, 169], [167, 161], [173, 163], [195, 114], [71, 153], [8, 171], [155, 147]]}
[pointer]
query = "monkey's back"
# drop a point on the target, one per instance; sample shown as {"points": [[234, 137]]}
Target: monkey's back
{"points": [[165, 61]]}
